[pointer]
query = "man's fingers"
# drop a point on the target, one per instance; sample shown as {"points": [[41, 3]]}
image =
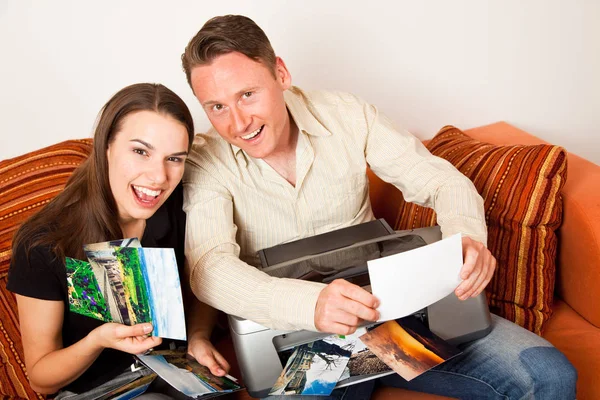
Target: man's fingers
{"points": [[354, 312], [356, 293], [223, 363], [487, 277], [340, 329], [469, 263], [209, 362], [477, 284], [342, 305]]}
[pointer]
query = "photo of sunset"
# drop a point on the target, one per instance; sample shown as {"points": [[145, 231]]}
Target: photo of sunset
{"points": [[408, 347]]}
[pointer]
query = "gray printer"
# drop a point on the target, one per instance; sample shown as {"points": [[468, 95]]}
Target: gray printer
{"points": [[344, 254]]}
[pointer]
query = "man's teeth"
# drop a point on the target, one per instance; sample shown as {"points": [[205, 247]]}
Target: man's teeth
{"points": [[147, 191], [252, 134]]}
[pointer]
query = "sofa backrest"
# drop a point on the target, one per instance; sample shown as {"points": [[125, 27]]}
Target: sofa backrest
{"points": [[27, 183]]}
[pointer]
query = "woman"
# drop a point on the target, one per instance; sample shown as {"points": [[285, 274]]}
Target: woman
{"points": [[129, 187]]}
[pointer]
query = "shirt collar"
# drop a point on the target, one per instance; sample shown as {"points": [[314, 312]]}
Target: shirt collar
{"points": [[304, 114]]}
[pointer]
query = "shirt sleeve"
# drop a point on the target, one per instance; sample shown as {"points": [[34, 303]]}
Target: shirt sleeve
{"points": [[216, 274], [399, 158], [36, 274]]}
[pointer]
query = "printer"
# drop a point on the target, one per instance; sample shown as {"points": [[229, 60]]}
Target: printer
{"points": [[344, 254]]}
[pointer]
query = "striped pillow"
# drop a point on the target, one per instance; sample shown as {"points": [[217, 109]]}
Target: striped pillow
{"points": [[27, 183], [521, 187]]}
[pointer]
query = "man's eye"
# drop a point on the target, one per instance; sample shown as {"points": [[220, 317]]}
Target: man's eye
{"points": [[217, 107], [176, 159], [247, 94], [140, 152]]}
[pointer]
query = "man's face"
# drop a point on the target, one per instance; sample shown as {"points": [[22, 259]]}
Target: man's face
{"points": [[244, 102]]}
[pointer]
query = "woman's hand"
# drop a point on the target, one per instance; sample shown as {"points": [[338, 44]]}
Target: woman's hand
{"points": [[129, 339], [206, 354]]}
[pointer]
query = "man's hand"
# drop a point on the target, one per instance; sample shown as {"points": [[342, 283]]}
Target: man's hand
{"points": [[343, 306], [478, 269], [206, 354]]}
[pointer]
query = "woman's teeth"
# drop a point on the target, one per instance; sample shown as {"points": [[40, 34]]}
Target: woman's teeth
{"points": [[147, 191], [252, 134]]}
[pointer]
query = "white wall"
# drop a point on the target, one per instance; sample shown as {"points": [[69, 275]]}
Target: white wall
{"points": [[532, 63]]}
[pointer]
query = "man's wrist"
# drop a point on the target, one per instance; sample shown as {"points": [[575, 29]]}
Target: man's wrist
{"points": [[199, 335]]}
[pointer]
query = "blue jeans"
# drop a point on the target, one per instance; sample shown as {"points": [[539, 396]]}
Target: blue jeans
{"points": [[510, 363]]}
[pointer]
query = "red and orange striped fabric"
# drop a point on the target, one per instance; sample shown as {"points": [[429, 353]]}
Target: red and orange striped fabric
{"points": [[521, 187], [27, 183]]}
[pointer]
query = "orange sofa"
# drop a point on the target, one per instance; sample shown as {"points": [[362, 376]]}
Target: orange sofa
{"points": [[29, 181]]}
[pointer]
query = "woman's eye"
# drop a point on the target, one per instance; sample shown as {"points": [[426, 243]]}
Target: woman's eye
{"points": [[217, 107], [140, 152], [247, 94]]}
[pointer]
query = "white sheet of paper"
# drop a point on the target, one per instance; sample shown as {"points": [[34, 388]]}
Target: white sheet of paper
{"points": [[407, 282]]}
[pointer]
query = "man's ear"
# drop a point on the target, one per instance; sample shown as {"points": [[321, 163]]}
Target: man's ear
{"points": [[282, 74]]}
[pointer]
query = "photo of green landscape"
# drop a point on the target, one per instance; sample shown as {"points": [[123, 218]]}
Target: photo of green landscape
{"points": [[85, 296], [134, 285]]}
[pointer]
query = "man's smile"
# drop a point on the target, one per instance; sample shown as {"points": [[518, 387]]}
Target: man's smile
{"points": [[253, 134]]}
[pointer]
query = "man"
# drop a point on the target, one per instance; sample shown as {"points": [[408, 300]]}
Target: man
{"points": [[282, 164]]}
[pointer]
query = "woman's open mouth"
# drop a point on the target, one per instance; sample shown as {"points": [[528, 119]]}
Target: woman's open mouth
{"points": [[146, 197]]}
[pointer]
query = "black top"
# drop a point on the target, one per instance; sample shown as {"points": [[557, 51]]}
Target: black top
{"points": [[43, 276]]}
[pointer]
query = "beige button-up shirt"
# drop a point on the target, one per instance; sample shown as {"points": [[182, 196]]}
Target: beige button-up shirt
{"points": [[237, 205]]}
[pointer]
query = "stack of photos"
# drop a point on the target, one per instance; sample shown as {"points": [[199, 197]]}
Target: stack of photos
{"points": [[128, 284], [186, 375], [405, 345], [130, 390], [314, 368], [408, 346]]}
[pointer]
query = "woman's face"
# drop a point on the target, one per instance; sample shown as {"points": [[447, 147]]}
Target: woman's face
{"points": [[145, 163]]}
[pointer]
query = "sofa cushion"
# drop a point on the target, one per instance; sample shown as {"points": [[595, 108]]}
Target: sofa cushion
{"points": [[27, 183], [521, 187]]}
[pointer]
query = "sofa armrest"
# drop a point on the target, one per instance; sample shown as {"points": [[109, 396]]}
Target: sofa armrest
{"points": [[578, 264]]}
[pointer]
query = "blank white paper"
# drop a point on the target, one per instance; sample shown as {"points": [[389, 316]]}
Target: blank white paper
{"points": [[407, 282]]}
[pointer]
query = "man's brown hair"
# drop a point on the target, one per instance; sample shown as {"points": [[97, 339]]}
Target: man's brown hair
{"points": [[227, 34]]}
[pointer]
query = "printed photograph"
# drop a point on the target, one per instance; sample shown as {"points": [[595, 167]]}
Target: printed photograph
{"points": [[130, 390], [314, 368], [85, 296], [186, 375], [108, 273], [408, 347], [362, 360], [152, 289]]}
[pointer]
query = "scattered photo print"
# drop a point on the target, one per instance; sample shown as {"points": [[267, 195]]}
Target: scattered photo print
{"points": [[151, 289], [131, 389], [362, 360], [314, 368], [85, 296], [408, 346], [186, 374]]}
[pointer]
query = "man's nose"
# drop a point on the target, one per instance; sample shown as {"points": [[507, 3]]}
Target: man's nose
{"points": [[240, 121]]}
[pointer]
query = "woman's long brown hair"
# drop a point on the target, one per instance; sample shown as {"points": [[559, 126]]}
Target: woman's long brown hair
{"points": [[85, 211]]}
